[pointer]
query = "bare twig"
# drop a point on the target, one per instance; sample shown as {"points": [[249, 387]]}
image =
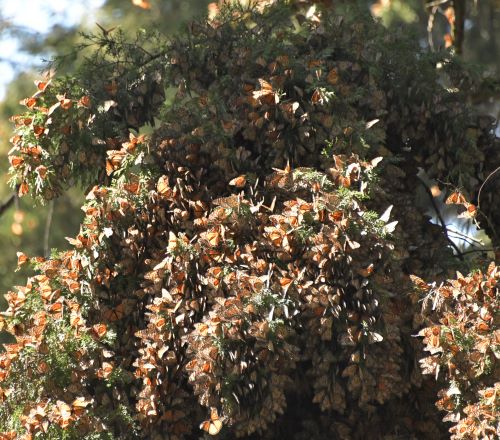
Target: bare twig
{"points": [[465, 236], [436, 3], [482, 185], [440, 218], [471, 251], [8, 203], [430, 26]]}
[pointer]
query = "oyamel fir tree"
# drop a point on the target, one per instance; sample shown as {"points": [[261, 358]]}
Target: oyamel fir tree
{"points": [[240, 271]]}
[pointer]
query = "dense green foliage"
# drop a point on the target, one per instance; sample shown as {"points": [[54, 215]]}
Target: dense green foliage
{"points": [[242, 267]]}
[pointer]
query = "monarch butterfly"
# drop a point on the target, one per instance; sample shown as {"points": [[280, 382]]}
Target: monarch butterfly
{"points": [[333, 77], [42, 85], [148, 334], [115, 314], [266, 94], [99, 330], [214, 425], [285, 283], [456, 198], [163, 187], [114, 161], [213, 237], [281, 178], [132, 187], [238, 182], [230, 202], [16, 161]]}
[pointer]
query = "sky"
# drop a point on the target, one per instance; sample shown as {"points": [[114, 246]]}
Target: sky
{"points": [[37, 16]]}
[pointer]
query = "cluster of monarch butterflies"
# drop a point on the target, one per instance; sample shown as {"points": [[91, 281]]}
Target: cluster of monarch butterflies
{"points": [[463, 343], [222, 300], [221, 268], [234, 270]]}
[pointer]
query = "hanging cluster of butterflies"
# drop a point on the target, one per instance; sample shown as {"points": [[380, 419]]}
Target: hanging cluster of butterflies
{"points": [[463, 342], [224, 295], [222, 298], [40, 162], [46, 317]]}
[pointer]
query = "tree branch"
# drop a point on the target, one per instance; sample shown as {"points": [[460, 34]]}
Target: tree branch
{"points": [[8, 203], [458, 28]]}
